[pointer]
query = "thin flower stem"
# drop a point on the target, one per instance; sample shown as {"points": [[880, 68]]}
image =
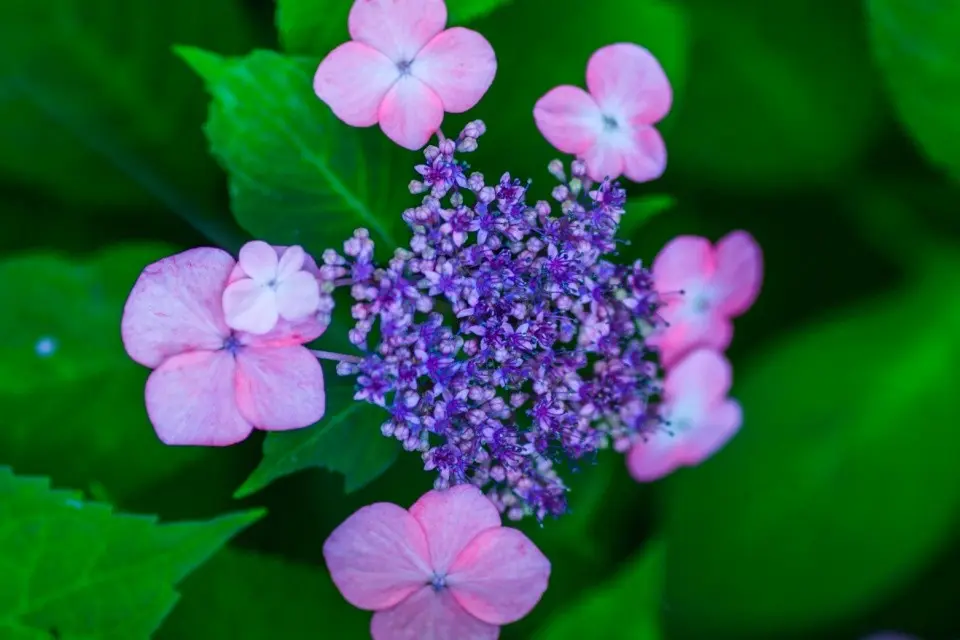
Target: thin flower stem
{"points": [[338, 357]]}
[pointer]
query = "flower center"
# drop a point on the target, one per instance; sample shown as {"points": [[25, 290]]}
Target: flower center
{"points": [[232, 345], [610, 123], [404, 67], [700, 303], [439, 582]]}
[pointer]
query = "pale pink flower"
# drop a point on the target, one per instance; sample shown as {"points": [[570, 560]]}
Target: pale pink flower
{"points": [[701, 419], [611, 127], [274, 284], [403, 69], [444, 569], [212, 385], [703, 287]]}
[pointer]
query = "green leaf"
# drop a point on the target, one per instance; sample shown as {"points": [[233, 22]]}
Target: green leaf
{"points": [[107, 112], [240, 595], [75, 569], [347, 440], [72, 398], [315, 27], [627, 607], [525, 72], [769, 108], [464, 11], [917, 44], [641, 209], [843, 480], [297, 174]]}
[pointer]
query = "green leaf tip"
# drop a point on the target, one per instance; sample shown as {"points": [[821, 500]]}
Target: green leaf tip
{"points": [[206, 64]]}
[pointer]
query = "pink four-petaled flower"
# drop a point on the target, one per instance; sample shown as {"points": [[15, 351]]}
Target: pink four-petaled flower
{"points": [[212, 385], [275, 285], [403, 69], [701, 419], [444, 569], [611, 127], [703, 287]]}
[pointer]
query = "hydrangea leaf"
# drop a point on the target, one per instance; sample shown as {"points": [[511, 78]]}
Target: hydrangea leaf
{"points": [[94, 93], [626, 607], [525, 73], [850, 428], [240, 595], [768, 110], [72, 398], [465, 11], [315, 27], [641, 209], [347, 440], [297, 174], [918, 47], [75, 569]]}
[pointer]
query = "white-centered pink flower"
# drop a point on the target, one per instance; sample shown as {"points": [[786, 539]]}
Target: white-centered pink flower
{"points": [[611, 127], [403, 69], [701, 418], [446, 568], [211, 385], [703, 287], [273, 284]]}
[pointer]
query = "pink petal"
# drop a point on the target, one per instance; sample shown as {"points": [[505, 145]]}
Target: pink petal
{"points": [[297, 296], [500, 576], [250, 306], [410, 113], [688, 329], [684, 260], [279, 388], [430, 615], [569, 119], [291, 261], [309, 265], [259, 261], [459, 65], [657, 456], [627, 81], [287, 333], [739, 272], [190, 400], [397, 28], [175, 306], [378, 556], [604, 160], [452, 518], [646, 160], [720, 425], [352, 80], [704, 375]]}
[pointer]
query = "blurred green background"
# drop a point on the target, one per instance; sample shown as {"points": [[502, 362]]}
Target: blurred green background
{"points": [[829, 129]]}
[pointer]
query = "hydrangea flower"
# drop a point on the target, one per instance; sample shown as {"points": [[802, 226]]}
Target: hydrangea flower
{"points": [[611, 127], [275, 284], [403, 69], [699, 418], [444, 569], [702, 287], [508, 340], [212, 385]]}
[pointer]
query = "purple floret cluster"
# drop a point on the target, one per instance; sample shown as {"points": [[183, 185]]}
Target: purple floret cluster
{"points": [[503, 340]]}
